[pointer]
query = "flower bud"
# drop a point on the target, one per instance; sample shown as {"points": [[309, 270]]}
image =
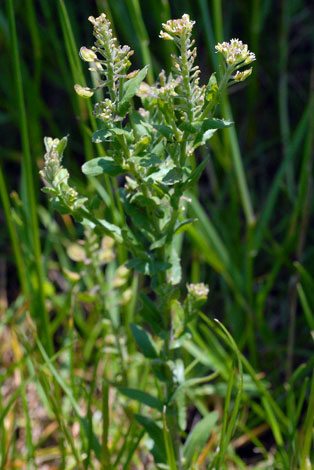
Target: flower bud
{"points": [[84, 92], [87, 55], [197, 293]]}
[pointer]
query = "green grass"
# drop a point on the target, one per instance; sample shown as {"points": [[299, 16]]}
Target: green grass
{"points": [[65, 338]]}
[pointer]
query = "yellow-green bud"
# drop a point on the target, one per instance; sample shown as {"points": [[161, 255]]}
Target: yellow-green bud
{"points": [[82, 91], [88, 55]]}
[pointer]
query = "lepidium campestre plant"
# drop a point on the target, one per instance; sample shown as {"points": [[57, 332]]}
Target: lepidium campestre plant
{"points": [[151, 147]]}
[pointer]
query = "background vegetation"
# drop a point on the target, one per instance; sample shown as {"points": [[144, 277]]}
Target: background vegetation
{"points": [[253, 243]]}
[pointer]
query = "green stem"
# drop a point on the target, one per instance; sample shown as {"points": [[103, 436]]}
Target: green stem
{"points": [[172, 414]]}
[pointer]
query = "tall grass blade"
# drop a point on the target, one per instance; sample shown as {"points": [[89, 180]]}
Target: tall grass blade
{"points": [[140, 28], [39, 308], [308, 430]]}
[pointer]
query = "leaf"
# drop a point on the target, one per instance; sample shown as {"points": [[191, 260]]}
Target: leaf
{"points": [[144, 201], [203, 137], [173, 176], [215, 123], [156, 434], [106, 133], [199, 436], [50, 191], [140, 127], [140, 219], [144, 341], [151, 314], [184, 225], [167, 173], [148, 266], [212, 90], [101, 135], [139, 264], [109, 229], [158, 243], [147, 161], [142, 397], [196, 174], [100, 165], [130, 88], [166, 131], [161, 369], [206, 124]]}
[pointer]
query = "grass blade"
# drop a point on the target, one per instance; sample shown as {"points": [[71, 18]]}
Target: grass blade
{"points": [[42, 319]]}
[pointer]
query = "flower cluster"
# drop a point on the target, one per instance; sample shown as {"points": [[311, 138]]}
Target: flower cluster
{"points": [[104, 110], [53, 158], [190, 95], [107, 45], [56, 177], [197, 295], [235, 52], [236, 55], [164, 89], [109, 60], [174, 29], [199, 291]]}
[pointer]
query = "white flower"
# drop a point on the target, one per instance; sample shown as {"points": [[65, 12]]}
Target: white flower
{"points": [[235, 52]]}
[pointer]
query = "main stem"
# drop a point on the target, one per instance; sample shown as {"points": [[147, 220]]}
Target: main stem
{"points": [[171, 408]]}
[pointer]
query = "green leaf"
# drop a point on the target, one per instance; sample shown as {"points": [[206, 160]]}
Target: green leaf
{"points": [[148, 266], [158, 243], [165, 131], [109, 229], [100, 165], [167, 173], [101, 135], [143, 201], [140, 127], [151, 314], [203, 137], [184, 225], [50, 191], [196, 174], [156, 434], [130, 88], [215, 123], [140, 219], [199, 436], [212, 89], [161, 369], [144, 341], [147, 161], [206, 124], [142, 397], [106, 133]]}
